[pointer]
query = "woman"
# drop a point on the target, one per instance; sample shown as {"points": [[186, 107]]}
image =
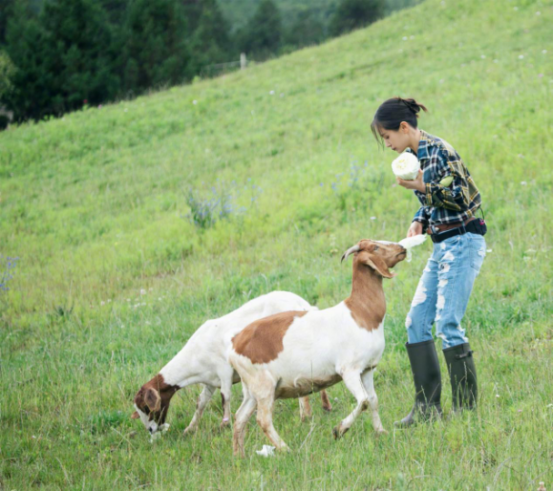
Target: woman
{"points": [[449, 201]]}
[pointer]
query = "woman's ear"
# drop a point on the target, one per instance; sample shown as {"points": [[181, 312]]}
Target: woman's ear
{"points": [[404, 127]]}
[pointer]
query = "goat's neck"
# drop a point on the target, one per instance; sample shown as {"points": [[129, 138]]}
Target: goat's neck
{"points": [[183, 369], [367, 293]]}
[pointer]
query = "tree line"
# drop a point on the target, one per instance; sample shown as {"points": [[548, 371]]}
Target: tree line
{"points": [[59, 55]]}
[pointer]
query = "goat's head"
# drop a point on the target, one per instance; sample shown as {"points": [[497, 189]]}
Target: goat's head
{"points": [[152, 403], [378, 255]]}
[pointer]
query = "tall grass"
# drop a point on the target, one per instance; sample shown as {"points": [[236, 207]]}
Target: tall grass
{"points": [[112, 278]]}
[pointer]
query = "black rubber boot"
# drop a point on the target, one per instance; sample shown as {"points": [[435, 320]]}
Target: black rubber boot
{"points": [[462, 373], [428, 383]]}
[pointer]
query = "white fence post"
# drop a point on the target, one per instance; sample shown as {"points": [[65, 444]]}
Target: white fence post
{"points": [[243, 61]]}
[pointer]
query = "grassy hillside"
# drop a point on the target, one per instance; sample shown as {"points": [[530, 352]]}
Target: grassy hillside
{"points": [[113, 276]]}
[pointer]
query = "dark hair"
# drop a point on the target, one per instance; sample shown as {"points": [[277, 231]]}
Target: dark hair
{"points": [[392, 112]]}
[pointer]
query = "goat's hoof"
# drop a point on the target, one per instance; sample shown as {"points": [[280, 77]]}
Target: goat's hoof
{"points": [[224, 424], [327, 408], [188, 431], [339, 432], [381, 432], [239, 453]]}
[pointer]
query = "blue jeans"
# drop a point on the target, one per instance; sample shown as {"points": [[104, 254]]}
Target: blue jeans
{"points": [[444, 290]]}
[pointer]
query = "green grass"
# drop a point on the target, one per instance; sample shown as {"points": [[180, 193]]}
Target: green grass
{"points": [[113, 277]]}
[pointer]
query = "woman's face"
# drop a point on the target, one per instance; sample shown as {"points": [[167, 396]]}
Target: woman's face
{"points": [[397, 140]]}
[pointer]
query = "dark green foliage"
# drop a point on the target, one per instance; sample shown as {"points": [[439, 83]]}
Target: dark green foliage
{"points": [[6, 73], [115, 10], [30, 82], [66, 52], [306, 30], [193, 11], [210, 42], [79, 40], [354, 14], [263, 34], [239, 12], [61, 59], [155, 44], [6, 7]]}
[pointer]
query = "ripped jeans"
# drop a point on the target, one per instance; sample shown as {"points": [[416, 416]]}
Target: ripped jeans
{"points": [[444, 290]]}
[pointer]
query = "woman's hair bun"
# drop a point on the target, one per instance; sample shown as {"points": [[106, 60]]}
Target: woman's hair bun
{"points": [[413, 105]]}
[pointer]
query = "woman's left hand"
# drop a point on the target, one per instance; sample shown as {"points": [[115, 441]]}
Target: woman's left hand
{"points": [[416, 184]]}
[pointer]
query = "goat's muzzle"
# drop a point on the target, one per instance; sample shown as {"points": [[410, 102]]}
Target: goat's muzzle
{"points": [[351, 250]]}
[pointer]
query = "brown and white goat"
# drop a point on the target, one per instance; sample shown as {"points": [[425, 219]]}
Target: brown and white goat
{"points": [[293, 354], [204, 360]]}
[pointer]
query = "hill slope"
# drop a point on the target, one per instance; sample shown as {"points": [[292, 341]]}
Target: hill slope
{"points": [[112, 275]]}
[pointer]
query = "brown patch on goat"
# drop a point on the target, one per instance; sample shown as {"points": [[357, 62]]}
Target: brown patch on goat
{"points": [[154, 397], [304, 387], [367, 302], [261, 341]]}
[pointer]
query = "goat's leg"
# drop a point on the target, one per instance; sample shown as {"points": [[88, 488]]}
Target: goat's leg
{"points": [[226, 386], [243, 414], [355, 385], [265, 407], [204, 398], [326, 401], [368, 382], [305, 408]]}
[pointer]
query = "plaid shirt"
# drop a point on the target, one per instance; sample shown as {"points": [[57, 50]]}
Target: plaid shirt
{"points": [[444, 204]]}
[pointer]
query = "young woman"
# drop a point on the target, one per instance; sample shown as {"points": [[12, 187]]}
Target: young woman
{"points": [[449, 200]]}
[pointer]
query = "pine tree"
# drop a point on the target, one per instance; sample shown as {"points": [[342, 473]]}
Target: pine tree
{"points": [[6, 10], [79, 40], [354, 14], [155, 52], [210, 42], [306, 30], [29, 94], [262, 34]]}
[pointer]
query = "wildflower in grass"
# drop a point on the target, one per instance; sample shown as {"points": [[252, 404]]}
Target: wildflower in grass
{"points": [[7, 264], [520, 57], [218, 204]]}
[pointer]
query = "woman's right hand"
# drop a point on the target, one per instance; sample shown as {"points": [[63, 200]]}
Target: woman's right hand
{"points": [[414, 229]]}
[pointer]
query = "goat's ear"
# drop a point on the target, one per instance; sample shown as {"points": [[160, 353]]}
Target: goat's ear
{"points": [[135, 415], [152, 399], [377, 263]]}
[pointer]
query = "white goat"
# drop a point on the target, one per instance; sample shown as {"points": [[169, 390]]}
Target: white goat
{"points": [[204, 360], [293, 354]]}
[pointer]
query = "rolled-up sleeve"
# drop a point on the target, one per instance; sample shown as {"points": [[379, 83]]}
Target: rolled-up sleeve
{"points": [[421, 216]]}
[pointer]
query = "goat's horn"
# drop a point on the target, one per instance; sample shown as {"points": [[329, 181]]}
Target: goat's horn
{"points": [[351, 250]]}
